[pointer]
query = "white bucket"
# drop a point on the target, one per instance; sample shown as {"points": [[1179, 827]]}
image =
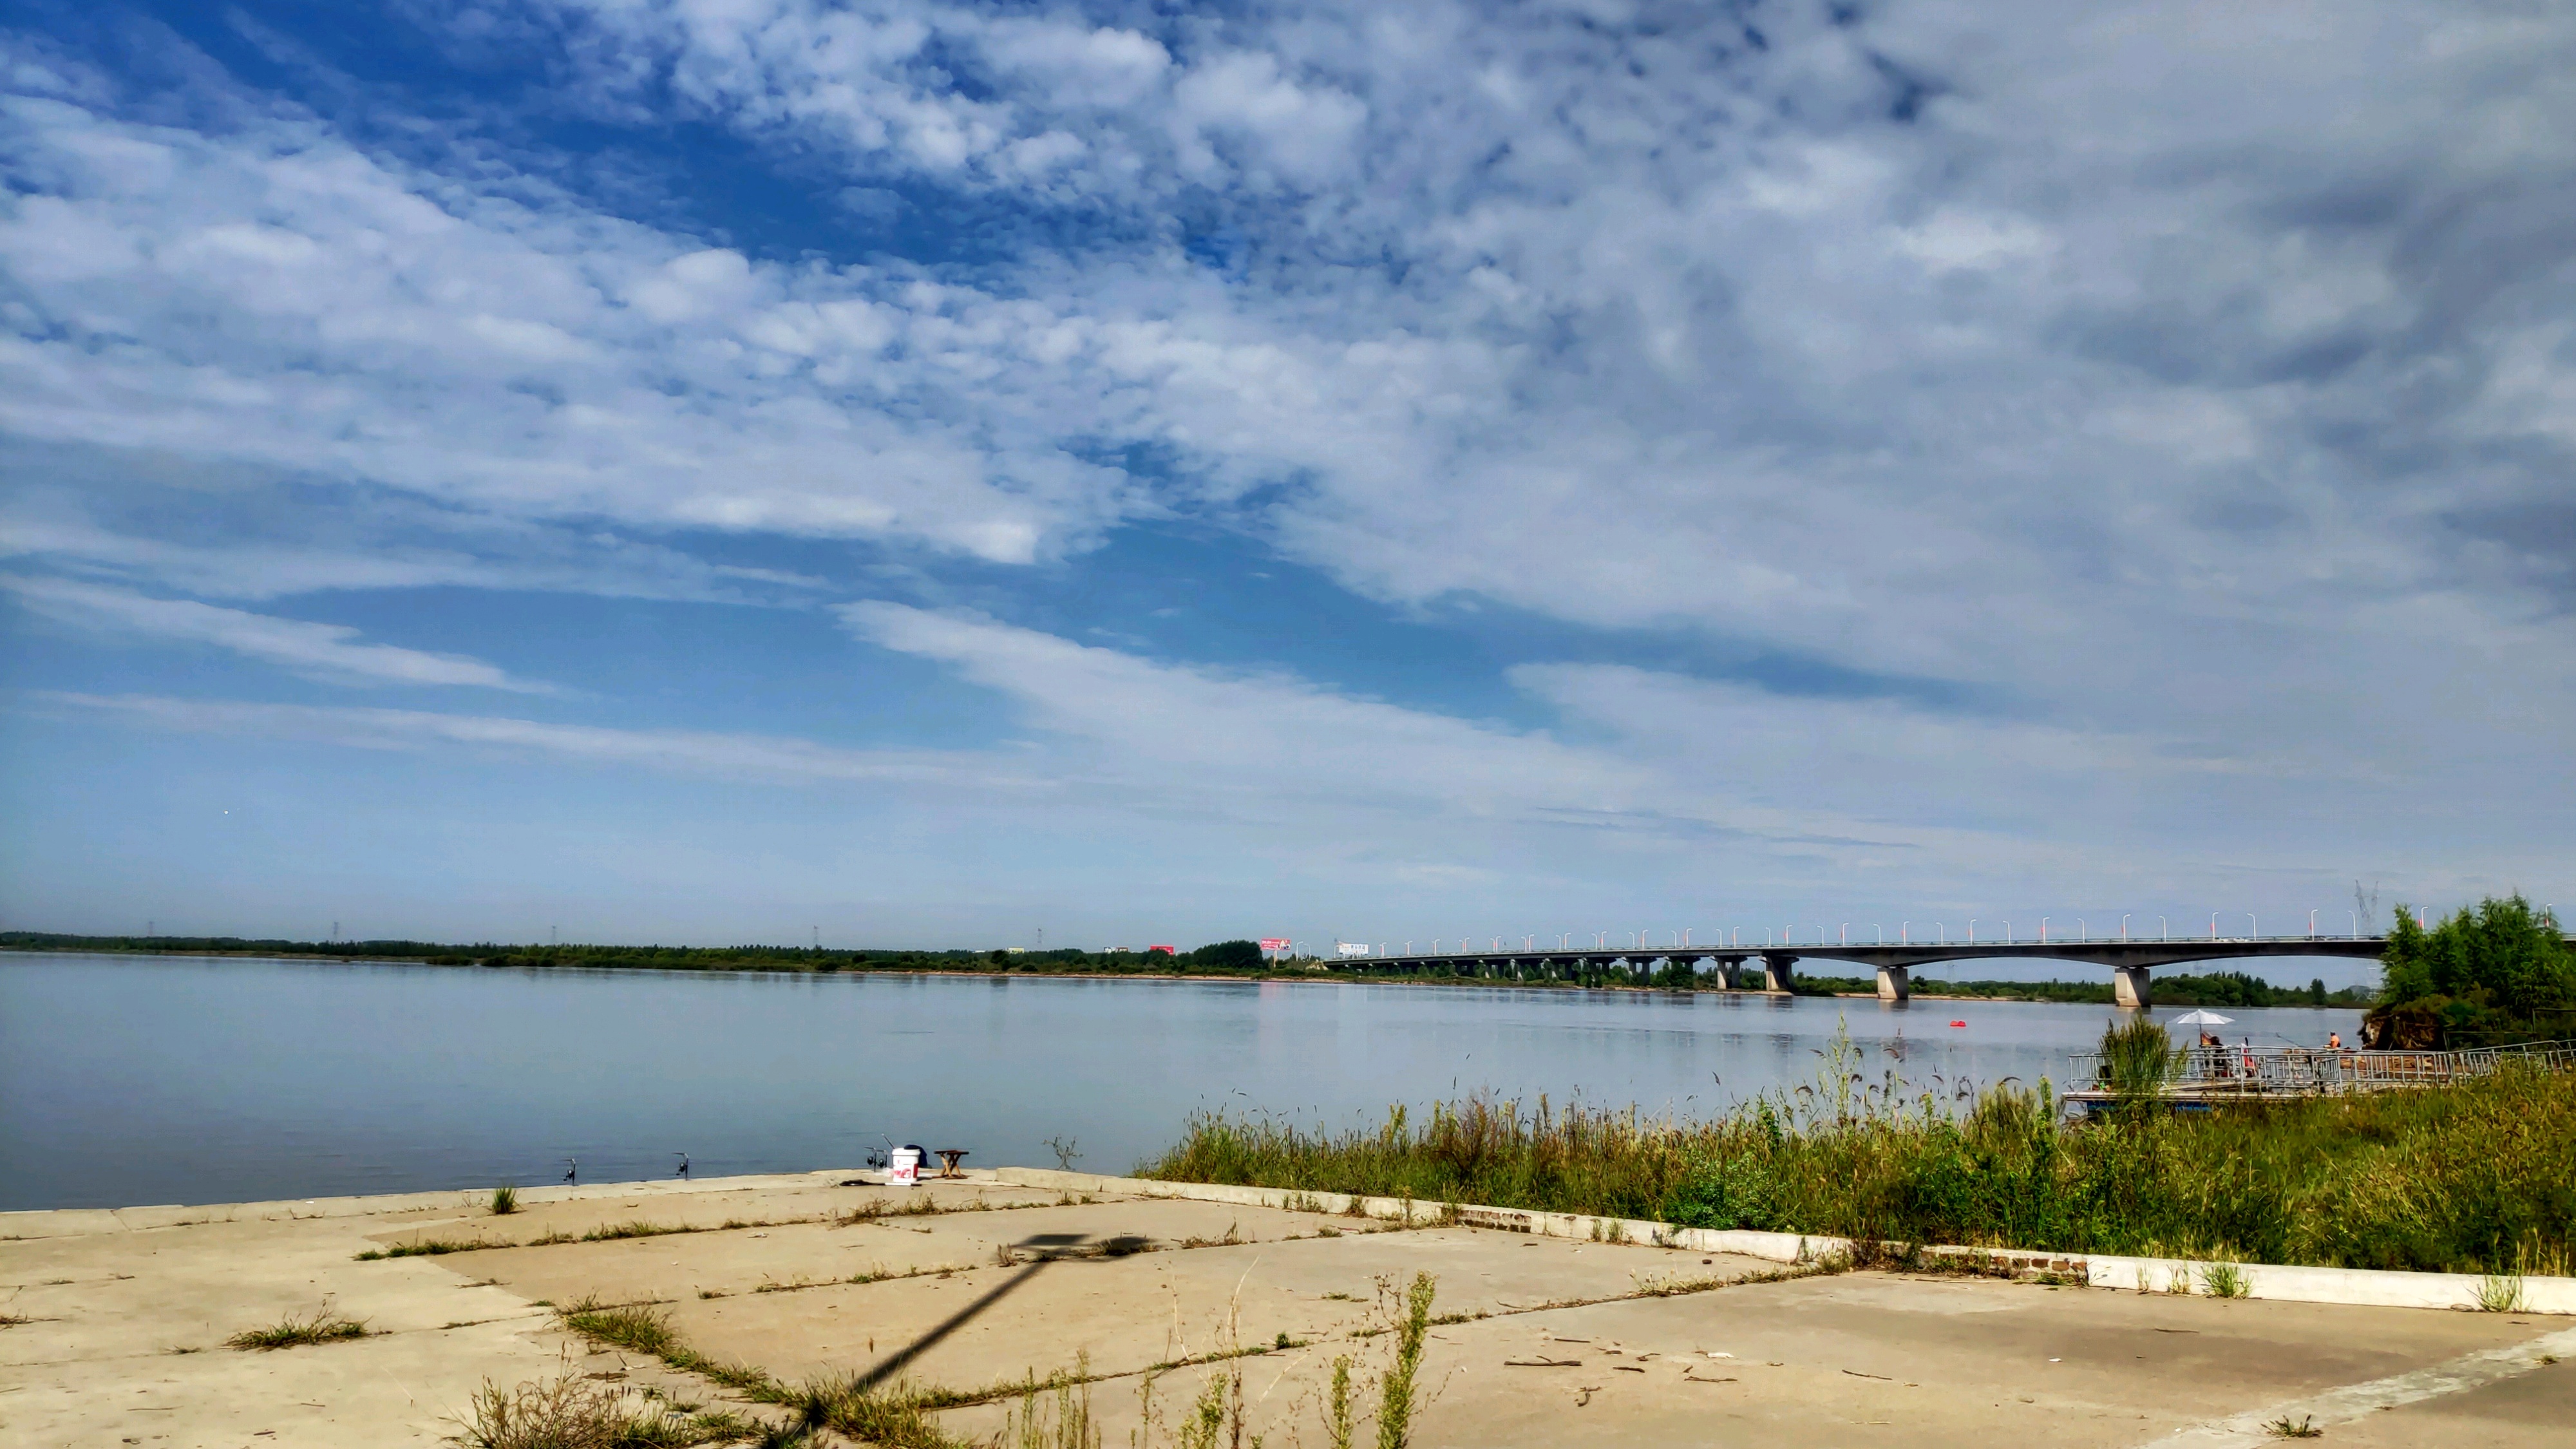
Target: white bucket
{"points": [[903, 1167]]}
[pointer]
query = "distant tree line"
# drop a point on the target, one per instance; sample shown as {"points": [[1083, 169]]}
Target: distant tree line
{"points": [[2498, 972], [1223, 957]]}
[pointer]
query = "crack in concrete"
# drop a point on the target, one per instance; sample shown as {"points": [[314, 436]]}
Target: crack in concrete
{"points": [[2355, 1401]]}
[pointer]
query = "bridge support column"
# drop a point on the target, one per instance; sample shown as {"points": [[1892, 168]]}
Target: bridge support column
{"points": [[1724, 970], [1893, 984], [2129, 986], [1776, 974]]}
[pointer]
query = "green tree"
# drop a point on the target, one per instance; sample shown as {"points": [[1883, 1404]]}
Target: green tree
{"points": [[1229, 955], [2502, 955]]}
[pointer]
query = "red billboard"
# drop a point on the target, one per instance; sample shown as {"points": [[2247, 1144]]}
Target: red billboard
{"points": [[1274, 943]]}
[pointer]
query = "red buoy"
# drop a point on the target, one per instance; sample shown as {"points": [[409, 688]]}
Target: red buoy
{"points": [[1958, 1023]]}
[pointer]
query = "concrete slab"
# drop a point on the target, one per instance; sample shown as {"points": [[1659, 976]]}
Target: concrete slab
{"points": [[1562, 1339], [1123, 1315], [2529, 1411]]}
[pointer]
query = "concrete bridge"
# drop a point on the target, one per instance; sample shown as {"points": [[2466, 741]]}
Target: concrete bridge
{"points": [[2130, 962]]}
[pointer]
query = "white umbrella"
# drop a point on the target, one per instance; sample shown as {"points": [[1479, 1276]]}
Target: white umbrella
{"points": [[2200, 1018]]}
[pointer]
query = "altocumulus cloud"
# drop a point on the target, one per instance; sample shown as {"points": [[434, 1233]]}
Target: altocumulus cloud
{"points": [[2183, 396]]}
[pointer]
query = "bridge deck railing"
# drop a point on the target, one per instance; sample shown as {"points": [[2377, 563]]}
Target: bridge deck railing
{"points": [[2314, 1071]]}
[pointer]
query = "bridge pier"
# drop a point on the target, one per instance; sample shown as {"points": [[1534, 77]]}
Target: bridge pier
{"points": [[1776, 975], [1894, 984], [2129, 986]]}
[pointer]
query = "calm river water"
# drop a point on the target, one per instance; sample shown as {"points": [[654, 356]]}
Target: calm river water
{"points": [[131, 1080]]}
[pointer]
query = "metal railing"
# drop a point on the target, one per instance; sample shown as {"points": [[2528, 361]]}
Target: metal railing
{"points": [[2295, 1071]]}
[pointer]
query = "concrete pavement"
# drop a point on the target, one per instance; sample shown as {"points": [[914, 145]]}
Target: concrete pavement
{"points": [[1549, 1340]]}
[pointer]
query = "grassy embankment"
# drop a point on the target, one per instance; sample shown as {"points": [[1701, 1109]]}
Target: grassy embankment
{"points": [[1225, 958], [2474, 1178]]}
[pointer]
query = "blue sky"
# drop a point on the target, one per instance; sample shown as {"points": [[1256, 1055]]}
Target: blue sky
{"points": [[710, 472]]}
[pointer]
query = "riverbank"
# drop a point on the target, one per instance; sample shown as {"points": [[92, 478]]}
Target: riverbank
{"points": [[2182, 989], [2476, 1178], [716, 1310]]}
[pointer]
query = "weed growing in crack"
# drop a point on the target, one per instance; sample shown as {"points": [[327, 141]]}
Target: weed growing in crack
{"points": [[1053, 1415], [432, 1247], [1396, 1387], [2224, 1280], [2500, 1293], [572, 1413], [324, 1326]]}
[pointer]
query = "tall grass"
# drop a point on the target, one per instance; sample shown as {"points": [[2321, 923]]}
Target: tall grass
{"points": [[1396, 1398], [2137, 1059], [2470, 1178]]}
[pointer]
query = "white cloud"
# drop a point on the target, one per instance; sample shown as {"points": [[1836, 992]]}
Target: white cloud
{"points": [[1265, 739], [1263, 785], [2156, 377], [762, 758], [1304, 130], [1950, 240], [326, 651], [385, 326], [1679, 775]]}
